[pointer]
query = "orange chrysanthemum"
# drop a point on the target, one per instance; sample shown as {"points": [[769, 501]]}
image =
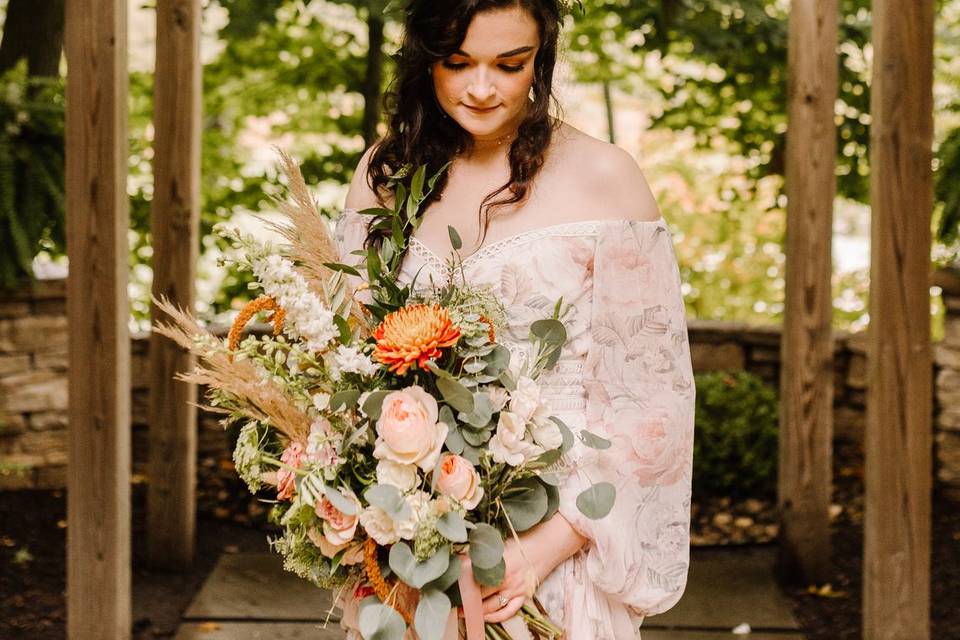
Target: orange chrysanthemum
{"points": [[412, 335], [491, 334]]}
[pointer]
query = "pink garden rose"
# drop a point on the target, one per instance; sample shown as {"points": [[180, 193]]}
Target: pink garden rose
{"points": [[338, 527], [286, 478], [457, 478], [408, 430]]}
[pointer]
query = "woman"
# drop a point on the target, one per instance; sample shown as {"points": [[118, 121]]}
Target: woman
{"points": [[566, 215]]}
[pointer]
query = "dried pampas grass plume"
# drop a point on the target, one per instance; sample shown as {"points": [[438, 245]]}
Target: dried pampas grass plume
{"points": [[258, 397], [310, 244]]}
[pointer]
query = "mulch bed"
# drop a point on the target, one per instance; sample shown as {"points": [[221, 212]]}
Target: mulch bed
{"points": [[33, 537]]}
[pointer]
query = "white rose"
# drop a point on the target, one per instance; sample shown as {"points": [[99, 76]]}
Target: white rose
{"points": [[401, 476], [525, 399], [547, 434], [385, 530], [378, 525], [508, 444]]}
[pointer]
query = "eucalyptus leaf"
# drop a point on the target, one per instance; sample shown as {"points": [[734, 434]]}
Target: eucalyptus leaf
{"points": [[344, 399], [388, 498], [553, 500], [339, 501], [431, 616], [486, 546], [471, 453], [454, 441], [498, 360], [527, 508], [566, 433], [596, 501], [374, 403], [380, 622], [449, 576], [482, 410], [476, 437], [490, 577], [452, 526], [593, 441], [455, 394], [416, 574], [437, 371]]}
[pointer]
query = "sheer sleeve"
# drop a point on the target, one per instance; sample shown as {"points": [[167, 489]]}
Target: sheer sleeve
{"points": [[640, 394]]}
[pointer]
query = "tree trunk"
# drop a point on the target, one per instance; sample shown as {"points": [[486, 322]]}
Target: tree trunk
{"points": [[374, 75], [33, 30]]}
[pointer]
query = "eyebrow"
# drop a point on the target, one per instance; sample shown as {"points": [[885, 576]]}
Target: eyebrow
{"points": [[505, 54]]}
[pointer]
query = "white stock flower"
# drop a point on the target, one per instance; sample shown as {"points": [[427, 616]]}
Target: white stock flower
{"points": [[385, 530], [349, 359], [401, 476], [307, 317], [499, 397], [321, 401], [547, 434]]}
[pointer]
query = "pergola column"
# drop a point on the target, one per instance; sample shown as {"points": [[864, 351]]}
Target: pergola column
{"points": [[806, 382], [896, 592], [98, 473], [175, 222]]}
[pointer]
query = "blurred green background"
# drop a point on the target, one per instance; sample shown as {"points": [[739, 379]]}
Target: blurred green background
{"points": [[694, 89]]}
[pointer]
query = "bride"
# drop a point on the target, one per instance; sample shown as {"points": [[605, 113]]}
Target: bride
{"points": [[553, 212]]}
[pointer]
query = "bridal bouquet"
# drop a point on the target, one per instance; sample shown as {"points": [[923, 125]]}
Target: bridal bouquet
{"points": [[398, 433]]}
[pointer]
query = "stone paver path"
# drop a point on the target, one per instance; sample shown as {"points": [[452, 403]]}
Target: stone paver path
{"points": [[250, 597]]}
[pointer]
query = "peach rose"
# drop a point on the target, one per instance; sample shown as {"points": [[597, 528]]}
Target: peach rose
{"points": [[286, 478], [457, 478], [353, 555], [338, 527], [408, 430]]}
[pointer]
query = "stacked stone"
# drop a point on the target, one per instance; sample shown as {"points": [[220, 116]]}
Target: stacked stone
{"points": [[947, 359], [33, 386]]}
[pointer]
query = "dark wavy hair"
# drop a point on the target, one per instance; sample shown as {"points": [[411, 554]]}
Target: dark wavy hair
{"points": [[419, 130]]}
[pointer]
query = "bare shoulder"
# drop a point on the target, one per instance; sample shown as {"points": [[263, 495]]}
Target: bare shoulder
{"points": [[606, 175], [360, 195]]}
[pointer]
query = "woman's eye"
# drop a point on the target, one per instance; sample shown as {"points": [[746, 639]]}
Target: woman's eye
{"points": [[454, 65], [512, 68]]}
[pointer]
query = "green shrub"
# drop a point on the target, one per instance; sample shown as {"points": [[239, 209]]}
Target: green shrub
{"points": [[31, 171], [735, 446]]}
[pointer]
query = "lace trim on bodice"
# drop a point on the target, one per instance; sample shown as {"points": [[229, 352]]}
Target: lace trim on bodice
{"points": [[574, 228]]}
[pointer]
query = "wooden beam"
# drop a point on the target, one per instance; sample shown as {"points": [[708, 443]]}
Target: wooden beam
{"points": [[806, 382], [175, 221], [98, 473], [896, 584]]}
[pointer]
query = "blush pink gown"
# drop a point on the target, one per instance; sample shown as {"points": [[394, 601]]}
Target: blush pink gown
{"points": [[625, 373]]}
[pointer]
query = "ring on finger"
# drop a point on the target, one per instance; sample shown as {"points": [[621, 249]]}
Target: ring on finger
{"points": [[502, 600]]}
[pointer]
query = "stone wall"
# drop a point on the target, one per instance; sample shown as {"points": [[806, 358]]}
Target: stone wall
{"points": [[33, 386]]}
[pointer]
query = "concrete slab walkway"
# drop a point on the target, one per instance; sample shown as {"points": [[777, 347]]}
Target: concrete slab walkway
{"points": [[250, 597]]}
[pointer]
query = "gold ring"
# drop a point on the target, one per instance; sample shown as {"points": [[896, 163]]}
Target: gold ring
{"points": [[503, 601]]}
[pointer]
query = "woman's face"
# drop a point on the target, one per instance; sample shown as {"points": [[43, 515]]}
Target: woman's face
{"points": [[484, 85]]}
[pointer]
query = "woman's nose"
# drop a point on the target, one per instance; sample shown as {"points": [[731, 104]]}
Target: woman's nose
{"points": [[480, 87]]}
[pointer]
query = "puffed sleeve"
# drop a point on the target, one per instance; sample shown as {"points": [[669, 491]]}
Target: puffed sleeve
{"points": [[640, 393]]}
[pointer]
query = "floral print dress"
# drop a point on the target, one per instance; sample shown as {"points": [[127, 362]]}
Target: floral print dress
{"points": [[625, 373]]}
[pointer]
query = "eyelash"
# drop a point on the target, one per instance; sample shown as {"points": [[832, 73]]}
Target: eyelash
{"points": [[456, 66]]}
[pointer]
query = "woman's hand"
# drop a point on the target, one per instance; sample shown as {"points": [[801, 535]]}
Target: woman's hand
{"points": [[545, 546]]}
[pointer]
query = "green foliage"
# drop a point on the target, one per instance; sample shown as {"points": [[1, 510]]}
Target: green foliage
{"points": [[735, 446], [31, 171]]}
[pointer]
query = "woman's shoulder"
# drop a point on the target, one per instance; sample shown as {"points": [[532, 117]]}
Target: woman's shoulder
{"points": [[603, 174]]}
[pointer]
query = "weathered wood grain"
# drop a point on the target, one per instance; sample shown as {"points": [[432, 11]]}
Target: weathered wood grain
{"points": [[175, 221], [98, 475]]}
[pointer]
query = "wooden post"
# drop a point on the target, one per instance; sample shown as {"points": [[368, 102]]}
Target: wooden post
{"points": [[175, 220], [896, 584], [98, 473], [806, 382]]}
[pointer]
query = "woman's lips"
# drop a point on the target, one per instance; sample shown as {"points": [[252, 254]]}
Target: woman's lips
{"points": [[479, 110]]}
